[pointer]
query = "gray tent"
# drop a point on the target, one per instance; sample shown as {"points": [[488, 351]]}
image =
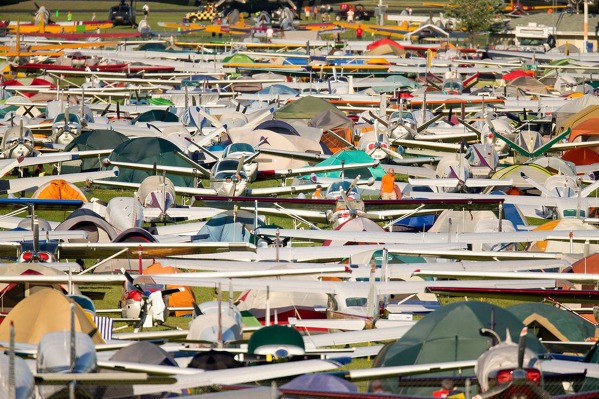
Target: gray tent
{"points": [[574, 106], [229, 226], [331, 119]]}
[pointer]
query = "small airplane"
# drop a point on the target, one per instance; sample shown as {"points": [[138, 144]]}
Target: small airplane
{"points": [[145, 303]]}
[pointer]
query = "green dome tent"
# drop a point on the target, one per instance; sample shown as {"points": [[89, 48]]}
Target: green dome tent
{"points": [[305, 108], [552, 324], [148, 150], [89, 141], [451, 333]]}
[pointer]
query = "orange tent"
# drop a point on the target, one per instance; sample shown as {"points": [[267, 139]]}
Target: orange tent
{"points": [[178, 299], [59, 189], [581, 156]]}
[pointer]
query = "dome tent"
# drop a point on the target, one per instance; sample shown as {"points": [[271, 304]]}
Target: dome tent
{"points": [[451, 333], [147, 150]]}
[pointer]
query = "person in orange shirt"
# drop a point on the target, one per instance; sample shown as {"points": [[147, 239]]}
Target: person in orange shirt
{"points": [[389, 190]]}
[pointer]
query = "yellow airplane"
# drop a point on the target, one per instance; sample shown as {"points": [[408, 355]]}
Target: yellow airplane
{"points": [[55, 28]]}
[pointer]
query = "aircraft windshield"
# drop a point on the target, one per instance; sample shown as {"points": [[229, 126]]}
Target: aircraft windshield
{"points": [[227, 168], [239, 147], [532, 41], [72, 118], [356, 301], [343, 185]]}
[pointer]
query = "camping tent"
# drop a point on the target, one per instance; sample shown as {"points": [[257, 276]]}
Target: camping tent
{"points": [[147, 150], [178, 299], [46, 310], [350, 157], [451, 333], [229, 226], [550, 323], [60, 190], [305, 108], [89, 141]]}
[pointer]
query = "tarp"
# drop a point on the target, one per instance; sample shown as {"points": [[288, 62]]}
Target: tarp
{"points": [[229, 226], [304, 108], [89, 141], [148, 150], [178, 299], [450, 333], [46, 310], [214, 360], [551, 323], [59, 189], [351, 157]]}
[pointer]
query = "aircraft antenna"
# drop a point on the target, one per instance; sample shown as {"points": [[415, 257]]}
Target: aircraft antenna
{"points": [[12, 389], [219, 339]]}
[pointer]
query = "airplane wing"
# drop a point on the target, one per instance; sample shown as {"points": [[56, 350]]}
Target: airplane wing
{"points": [[318, 216], [428, 143], [281, 173], [266, 191], [419, 238], [333, 287], [274, 272], [520, 294], [355, 337], [323, 254], [32, 183], [187, 213], [590, 370], [453, 182], [65, 279], [150, 249], [196, 170], [383, 372], [242, 375], [573, 277], [37, 203], [178, 189], [305, 156]]}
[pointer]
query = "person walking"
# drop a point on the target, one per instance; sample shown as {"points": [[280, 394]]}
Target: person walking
{"points": [[389, 190], [359, 32]]}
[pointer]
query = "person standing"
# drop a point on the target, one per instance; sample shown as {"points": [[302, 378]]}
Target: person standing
{"points": [[359, 32], [307, 11], [69, 16], [269, 34], [350, 16], [329, 12], [93, 16], [389, 190], [318, 192], [146, 10]]}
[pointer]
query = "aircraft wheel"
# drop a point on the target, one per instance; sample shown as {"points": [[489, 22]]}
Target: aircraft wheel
{"points": [[233, 17], [193, 20]]}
